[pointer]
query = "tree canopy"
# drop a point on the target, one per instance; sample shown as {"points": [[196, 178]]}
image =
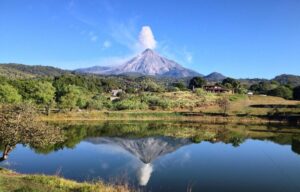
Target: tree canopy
{"points": [[20, 126], [197, 82], [9, 94]]}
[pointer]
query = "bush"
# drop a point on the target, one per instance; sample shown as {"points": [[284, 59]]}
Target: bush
{"points": [[130, 104], [8, 94], [157, 102], [282, 91], [200, 92], [97, 102], [224, 105]]}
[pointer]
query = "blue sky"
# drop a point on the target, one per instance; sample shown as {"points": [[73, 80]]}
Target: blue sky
{"points": [[239, 38]]}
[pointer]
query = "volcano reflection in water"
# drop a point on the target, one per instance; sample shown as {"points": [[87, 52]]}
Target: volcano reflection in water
{"points": [[146, 150]]}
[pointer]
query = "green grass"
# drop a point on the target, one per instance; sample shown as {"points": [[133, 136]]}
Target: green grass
{"points": [[190, 107], [14, 182]]}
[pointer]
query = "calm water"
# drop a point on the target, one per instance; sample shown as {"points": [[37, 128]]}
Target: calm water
{"points": [[147, 156]]}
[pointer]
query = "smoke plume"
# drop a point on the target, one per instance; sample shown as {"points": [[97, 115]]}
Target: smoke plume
{"points": [[146, 38]]}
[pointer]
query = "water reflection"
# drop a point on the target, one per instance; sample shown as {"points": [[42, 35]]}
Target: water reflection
{"points": [[154, 154], [296, 146], [146, 150]]}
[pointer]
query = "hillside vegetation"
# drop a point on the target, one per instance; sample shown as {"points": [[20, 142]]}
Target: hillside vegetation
{"points": [[12, 70], [56, 90]]}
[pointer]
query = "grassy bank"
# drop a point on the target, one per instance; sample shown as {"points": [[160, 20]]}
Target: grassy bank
{"points": [[243, 109], [11, 181]]}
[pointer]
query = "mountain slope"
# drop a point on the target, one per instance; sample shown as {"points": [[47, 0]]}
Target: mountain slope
{"points": [[13, 70], [147, 63], [284, 79], [215, 77]]}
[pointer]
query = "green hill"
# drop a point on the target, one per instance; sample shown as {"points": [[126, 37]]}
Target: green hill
{"points": [[285, 79], [12, 70]]}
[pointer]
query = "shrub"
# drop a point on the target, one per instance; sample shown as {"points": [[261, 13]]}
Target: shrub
{"points": [[8, 94], [282, 91], [130, 104], [224, 105]]}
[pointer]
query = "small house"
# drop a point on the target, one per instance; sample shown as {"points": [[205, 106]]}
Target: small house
{"points": [[115, 92]]}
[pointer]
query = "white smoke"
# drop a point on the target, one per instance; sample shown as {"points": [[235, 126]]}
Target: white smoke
{"points": [[144, 174], [146, 38]]}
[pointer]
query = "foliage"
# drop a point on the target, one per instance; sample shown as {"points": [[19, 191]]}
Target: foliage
{"points": [[233, 84], [282, 91], [224, 104], [97, 102], [264, 87], [292, 80], [13, 70], [131, 103], [73, 96], [151, 86], [180, 86], [8, 94], [19, 126], [197, 82], [155, 102], [44, 93]]}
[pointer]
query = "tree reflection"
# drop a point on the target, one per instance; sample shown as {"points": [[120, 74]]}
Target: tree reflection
{"points": [[296, 145], [20, 126]]}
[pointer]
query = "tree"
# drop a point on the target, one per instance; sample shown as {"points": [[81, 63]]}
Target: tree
{"points": [[296, 93], [73, 97], [264, 87], [8, 94], [44, 94], [197, 82], [180, 85], [282, 91], [232, 84], [151, 86], [224, 105], [20, 126]]}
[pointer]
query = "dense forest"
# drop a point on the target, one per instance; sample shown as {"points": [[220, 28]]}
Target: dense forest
{"points": [[52, 88]]}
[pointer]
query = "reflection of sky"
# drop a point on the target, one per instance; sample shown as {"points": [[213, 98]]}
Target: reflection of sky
{"points": [[254, 166]]}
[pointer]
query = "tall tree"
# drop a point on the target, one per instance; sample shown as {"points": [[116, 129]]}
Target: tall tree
{"points": [[73, 97], [232, 84], [20, 126], [44, 94], [197, 82]]}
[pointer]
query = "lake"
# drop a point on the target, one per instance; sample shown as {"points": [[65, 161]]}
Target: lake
{"points": [[169, 156]]}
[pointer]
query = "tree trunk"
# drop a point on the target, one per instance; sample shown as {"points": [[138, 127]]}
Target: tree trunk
{"points": [[5, 153]]}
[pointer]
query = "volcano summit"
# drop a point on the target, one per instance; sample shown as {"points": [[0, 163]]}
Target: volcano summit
{"points": [[148, 62]]}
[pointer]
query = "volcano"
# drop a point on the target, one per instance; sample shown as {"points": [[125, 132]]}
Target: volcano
{"points": [[149, 62]]}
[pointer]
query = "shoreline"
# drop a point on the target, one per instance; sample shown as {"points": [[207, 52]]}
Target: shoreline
{"points": [[12, 181], [169, 116]]}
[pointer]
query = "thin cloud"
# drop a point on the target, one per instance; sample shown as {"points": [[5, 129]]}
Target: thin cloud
{"points": [[93, 37], [106, 44]]}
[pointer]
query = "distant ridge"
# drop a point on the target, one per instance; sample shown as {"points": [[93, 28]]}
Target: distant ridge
{"points": [[292, 80], [148, 62], [216, 77], [13, 70]]}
